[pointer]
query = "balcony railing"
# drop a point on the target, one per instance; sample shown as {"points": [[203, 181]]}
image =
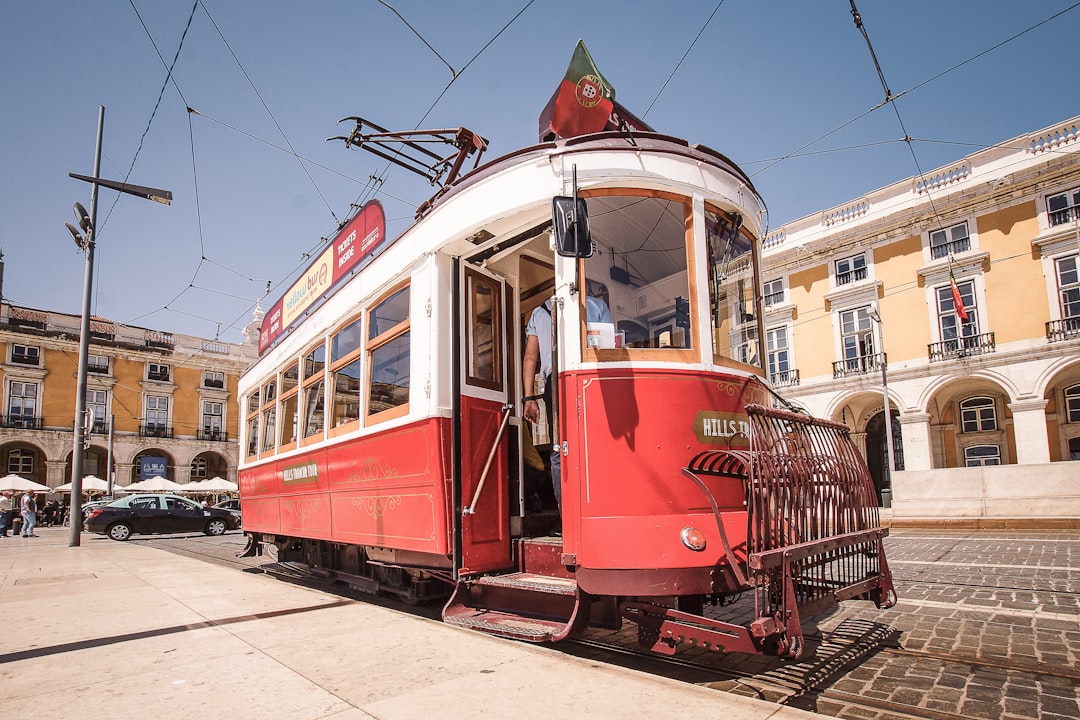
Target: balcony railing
{"points": [[1064, 329], [25, 358], [213, 383], [949, 248], [155, 430], [962, 347], [21, 422], [214, 435], [1065, 215], [785, 378], [860, 365], [845, 278]]}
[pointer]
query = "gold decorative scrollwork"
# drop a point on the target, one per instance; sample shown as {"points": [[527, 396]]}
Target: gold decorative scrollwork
{"points": [[378, 505]]}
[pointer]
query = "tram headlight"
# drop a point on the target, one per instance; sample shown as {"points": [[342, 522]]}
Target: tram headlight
{"points": [[693, 538]]}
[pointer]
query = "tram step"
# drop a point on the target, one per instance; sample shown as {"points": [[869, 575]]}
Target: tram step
{"points": [[523, 606], [543, 556]]}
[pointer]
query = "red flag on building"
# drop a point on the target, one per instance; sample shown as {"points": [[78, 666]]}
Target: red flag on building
{"points": [[584, 100], [958, 302]]}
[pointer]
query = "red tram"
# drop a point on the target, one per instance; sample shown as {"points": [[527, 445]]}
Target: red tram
{"points": [[383, 442]]}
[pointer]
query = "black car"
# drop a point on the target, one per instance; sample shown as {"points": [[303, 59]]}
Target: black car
{"points": [[233, 506], [155, 514]]}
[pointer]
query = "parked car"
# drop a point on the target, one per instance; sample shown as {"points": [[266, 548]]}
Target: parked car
{"points": [[154, 514], [233, 506]]}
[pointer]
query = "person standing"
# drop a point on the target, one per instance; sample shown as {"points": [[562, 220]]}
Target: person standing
{"points": [[7, 512], [28, 505], [538, 359]]}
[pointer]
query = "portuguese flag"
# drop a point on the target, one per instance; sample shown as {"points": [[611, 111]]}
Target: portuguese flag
{"points": [[584, 100], [958, 302]]}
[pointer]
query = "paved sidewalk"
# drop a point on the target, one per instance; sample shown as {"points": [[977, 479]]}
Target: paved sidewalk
{"points": [[117, 630]]}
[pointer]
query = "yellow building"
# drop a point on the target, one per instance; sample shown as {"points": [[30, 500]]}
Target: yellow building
{"points": [[161, 404], [985, 398]]}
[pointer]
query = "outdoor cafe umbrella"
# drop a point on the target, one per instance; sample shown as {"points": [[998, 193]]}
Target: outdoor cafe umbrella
{"points": [[154, 484], [17, 482], [217, 484], [90, 483]]}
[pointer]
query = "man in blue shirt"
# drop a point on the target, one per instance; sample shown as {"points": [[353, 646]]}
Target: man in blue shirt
{"points": [[538, 359]]}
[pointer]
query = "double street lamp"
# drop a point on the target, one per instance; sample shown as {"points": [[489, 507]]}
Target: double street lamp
{"points": [[85, 240]]}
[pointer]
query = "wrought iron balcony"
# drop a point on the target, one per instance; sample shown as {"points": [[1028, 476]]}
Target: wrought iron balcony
{"points": [[21, 422], [860, 365], [155, 430], [214, 435], [1064, 329], [785, 378], [962, 347]]}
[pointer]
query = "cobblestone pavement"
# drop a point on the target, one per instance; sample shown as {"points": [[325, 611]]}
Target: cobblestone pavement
{"points": [[987, 626]]}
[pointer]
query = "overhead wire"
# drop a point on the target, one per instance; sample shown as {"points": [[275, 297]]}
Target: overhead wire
{"points": [[682, 59]]}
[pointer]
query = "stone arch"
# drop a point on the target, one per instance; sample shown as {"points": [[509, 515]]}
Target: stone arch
{"points": [[136, 464], [217, 465], [26, 459], [948, 437], [95, 462], [1063, 436]]}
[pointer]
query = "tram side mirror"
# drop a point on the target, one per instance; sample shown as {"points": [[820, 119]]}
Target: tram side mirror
{"points": [[570, 225]]}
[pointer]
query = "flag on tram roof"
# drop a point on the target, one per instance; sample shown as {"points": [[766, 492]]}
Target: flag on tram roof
{"points": [[958, 301], [584, 99]]}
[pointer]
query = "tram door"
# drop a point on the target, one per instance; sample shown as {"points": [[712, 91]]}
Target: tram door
{"points": [[486, 383]]}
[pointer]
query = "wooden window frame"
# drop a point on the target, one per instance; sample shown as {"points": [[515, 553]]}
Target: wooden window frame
{"points": [[307, 382], [373, 344], [333, 367]]}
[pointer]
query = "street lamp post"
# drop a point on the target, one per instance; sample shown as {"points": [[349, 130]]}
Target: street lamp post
{"points": [[86, 240], [887, 484]]}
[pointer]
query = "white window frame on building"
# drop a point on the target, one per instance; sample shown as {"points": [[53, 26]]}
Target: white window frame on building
{"points": [[21, 461], [29, 355], [155, 417], [98, 364], [1063, 208], [857, 344], [1071, 401], [97, 402], [158, 372], [850, 270], [773, 292], [782, 372], [212, 426], [951, 240], [213, 379], [1067, 275], [978, 414], [17, 396], [982, 455]]}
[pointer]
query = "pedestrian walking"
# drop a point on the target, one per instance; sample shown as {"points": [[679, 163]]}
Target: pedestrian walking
{"points": [[28, 505], [7, 512]]}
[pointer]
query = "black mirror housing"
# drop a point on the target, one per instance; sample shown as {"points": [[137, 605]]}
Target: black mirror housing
{"points": [[570, 224]]}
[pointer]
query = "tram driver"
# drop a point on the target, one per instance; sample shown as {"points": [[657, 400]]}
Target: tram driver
{"points": [[538, 358]]}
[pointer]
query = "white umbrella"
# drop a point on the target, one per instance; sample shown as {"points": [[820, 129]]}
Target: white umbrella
{"points": [[217, 484], [154, 484], [17, 482], [90, 483]]}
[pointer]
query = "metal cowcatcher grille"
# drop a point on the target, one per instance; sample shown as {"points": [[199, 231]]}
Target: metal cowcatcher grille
{"points": [[814, 534]]}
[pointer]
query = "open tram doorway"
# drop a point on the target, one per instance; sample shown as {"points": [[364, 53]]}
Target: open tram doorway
{"points": [[877, 451]]}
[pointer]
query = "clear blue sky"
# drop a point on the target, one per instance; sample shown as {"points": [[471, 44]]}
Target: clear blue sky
{"points": [[762, 80]]}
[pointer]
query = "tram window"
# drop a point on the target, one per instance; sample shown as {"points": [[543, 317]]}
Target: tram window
{"points": [[347, 394], [389, 313], [345, 342], [269, 417], [289, 421], [269, 392], [289, 378], [639, 272], [313, 409], [389, 356], [253, 423], [314, 361], [730, 273], [485, 318]]}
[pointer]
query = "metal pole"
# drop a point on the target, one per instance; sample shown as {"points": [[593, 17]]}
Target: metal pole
{"points": [[109, 463], [888, 410], [84, 351]]}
